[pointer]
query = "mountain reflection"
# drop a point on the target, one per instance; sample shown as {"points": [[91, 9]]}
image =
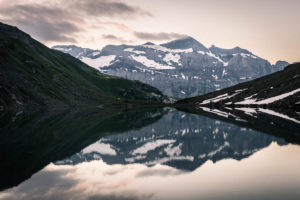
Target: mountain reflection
{"points": [[181, 140]]}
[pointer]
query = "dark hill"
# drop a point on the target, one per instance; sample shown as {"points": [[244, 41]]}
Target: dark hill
{"points": [[280, 90], [32, 75]]}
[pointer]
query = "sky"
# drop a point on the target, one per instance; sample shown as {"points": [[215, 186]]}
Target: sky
{"points": [[267, 28]]}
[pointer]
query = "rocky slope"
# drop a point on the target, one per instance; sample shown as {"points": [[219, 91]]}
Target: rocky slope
{"points": [[33, 75], [280, 90], [181, 68]]}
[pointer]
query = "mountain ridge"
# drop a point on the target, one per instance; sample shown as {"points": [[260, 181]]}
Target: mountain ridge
{"points": [[185, 43], [182, 68]]}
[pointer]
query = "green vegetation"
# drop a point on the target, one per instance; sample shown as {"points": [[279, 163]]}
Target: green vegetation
{"points": [[33, 75]]}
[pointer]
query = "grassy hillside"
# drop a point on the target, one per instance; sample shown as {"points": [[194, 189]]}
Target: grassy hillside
{"points": [[280, 90], [33, 75]]}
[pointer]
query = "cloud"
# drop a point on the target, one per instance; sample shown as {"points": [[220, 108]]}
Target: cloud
{"points": [[115, 38], [129, 196], [109, 8], [117, 25], [50, 31], [63, 183], [110, 37], [41, 23], [158, 36], [62, 20], [158, 172]]}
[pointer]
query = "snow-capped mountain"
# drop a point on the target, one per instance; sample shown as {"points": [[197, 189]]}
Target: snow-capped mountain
{"points": [[178, 139], [180, 68], [77, 52]]}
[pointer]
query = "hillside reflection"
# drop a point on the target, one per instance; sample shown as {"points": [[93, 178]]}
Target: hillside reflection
{"points": [[134, 154]]}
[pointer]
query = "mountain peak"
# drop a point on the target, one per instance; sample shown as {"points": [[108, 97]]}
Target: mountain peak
{"points": [[185, 43], [280, 65], [218, 50], [188, 38], [76, 51], [149, 43], [66, 46], [281, 62]]}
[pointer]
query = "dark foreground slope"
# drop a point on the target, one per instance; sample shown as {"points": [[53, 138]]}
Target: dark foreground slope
{"points": [[30, 141], [33, 75], [278, 90]]}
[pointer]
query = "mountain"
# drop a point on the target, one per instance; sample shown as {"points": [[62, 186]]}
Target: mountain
{"points": [[33, 75], [181, 68], [280, 90], [280, 65], [77, 52]]}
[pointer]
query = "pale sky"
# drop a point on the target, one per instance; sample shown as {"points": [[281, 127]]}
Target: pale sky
{"points": [[267, 28]]}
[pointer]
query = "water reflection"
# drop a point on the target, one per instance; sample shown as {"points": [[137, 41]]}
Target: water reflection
{"points": [[269, 174], [181, 140], [30, 142], [150, 154]]}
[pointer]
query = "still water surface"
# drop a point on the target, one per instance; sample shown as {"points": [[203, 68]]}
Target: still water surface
{"points": [[157, 154]]}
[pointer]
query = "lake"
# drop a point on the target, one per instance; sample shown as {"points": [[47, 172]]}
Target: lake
{"points": [[157, 153]]}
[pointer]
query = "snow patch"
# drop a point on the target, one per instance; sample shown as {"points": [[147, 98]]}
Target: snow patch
{"points": [[221, 97], [101, 148], [61, 49], [164, 160], [133, 159], [271, 112], [97, 63], [224, 72], [279, 97], [215, 76], [182, 75], [201, 52], [216, 57], [171, 57], [248, 100], [215, 111], [150, 63], [248, 55], [151, 146], [173, 151], [226, 144], [164, 49], [96, 53], [249, 111], [134, 51], [245, 55], [201, 156]]}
